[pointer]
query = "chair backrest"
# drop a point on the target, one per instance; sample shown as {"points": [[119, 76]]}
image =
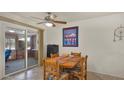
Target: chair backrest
{"points": [[51, 70], [76, 54], [54, 55], [83, 67], [83, 64]]}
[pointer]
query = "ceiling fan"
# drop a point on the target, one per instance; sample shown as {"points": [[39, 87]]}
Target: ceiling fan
{"points": [[49, 20]]}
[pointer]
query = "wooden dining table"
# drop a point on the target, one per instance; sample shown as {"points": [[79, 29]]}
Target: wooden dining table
{"points": [[65, 61]]}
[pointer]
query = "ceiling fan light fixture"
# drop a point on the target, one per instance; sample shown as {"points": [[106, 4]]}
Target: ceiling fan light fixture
{"points": [[49, 20], [48, 24]]}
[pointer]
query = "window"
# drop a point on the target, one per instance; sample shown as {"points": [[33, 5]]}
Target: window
{"points": [[10, 43]]}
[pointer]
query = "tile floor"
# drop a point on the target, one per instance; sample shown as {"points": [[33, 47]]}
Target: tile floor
{"points": [[36, 74]]}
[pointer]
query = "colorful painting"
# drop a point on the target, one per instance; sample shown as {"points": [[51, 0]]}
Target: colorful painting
{"points": [[70, 37]]}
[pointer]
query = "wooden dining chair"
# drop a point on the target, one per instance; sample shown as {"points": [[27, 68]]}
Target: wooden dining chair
{"points": [[54, 55], [85, 68], [80, 72], [76, 54], [52, 71]]}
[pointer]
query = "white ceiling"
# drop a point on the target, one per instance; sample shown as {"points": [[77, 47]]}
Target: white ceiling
{"points": [[67, 16], [64, 16]]}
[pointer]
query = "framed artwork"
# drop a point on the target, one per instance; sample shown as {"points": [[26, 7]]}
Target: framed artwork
{"points": [[70, 37]]}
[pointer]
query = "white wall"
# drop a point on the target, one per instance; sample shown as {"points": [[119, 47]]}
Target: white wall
{"points": [[95, 40]]}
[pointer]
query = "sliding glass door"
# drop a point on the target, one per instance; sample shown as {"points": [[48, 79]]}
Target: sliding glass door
{"points": [[32, 48], [15, 58], [21, 50]]}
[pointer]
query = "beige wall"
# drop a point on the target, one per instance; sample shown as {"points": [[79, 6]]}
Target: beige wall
{"points": [[1, 50], [96, 40], [0, 56], [41, 34]]}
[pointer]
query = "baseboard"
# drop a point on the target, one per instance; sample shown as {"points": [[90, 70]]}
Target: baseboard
{"points": [[101, 76]]}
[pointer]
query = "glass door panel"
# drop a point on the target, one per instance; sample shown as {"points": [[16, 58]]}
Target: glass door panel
{"points": [[32, 48], [15, 58]]}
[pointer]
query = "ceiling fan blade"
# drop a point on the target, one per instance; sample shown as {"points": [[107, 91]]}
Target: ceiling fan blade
{"points": [[37, 18], [61, 22], [41, 22], [54, 25]]}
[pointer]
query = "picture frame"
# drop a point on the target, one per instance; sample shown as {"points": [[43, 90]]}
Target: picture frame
{"points": [[70, 37]]}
